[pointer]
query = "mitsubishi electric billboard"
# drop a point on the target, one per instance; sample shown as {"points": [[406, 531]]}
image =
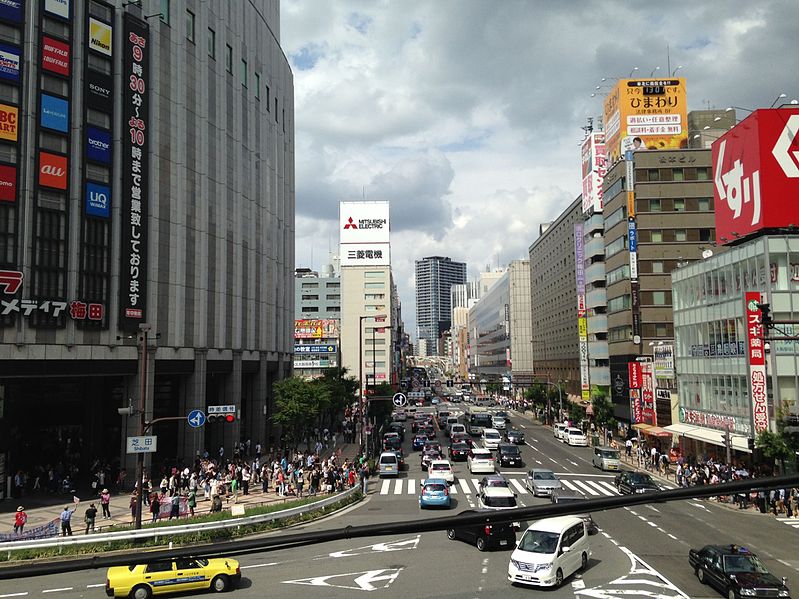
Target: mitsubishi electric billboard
{"points": [[364, 233]]}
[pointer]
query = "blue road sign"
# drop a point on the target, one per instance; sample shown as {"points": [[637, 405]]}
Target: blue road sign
{"points": [[196, 418], [400, 400]]}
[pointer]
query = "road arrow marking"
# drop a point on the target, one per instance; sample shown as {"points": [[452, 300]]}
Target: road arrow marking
{"points": [[363, 581], [399, 545]]}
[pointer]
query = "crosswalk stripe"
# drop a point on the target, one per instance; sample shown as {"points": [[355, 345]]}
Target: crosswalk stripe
{"points": [[476, 484], [603, 487], [588, 489], [412, 486], [453, 488], [398, 487], [384, 487], [570, 485], [518, 485], [465, 487]]}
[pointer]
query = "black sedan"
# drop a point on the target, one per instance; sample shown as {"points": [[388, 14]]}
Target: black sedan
{"points": [[509, 455], [459, 451], [635, 482], [735, 572], [514, 436]]}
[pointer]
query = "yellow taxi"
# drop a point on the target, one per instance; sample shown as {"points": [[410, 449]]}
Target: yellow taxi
{"points": [[172, 576]]}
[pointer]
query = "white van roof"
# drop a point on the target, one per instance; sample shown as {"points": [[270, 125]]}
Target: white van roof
{"points": [[557, 524]]}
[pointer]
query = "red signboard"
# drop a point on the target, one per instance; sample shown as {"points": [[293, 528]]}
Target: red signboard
{"points": [[648, 412], [758, 386], [8, 183], [55, 56], [52, 170], [755, 170], [634, 373]]}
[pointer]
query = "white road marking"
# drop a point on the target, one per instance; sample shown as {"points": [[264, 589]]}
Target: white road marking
{"points": [[412, 486], [587, 488], [573, 463], [518, 485], [57, 590], [94, 586], [671, 536], [242, 567], [384, 487], [464, 487], [643, 519], [531, 445], [552, 460], [15, 594], [398, 487], [652, 524], [604, 488], [538, 462], [570, 485], [699, 505], [653, 508], [578, 584]]}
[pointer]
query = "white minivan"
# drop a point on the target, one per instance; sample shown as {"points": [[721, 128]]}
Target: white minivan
{"points": [[550, 551], [388, 464]]}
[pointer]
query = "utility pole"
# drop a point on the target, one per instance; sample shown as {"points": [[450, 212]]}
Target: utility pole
{"points": [[143, 339]]}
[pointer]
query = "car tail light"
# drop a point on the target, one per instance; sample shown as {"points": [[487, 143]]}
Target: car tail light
{"points": [[107, 584], [488, 529], [446, 491], [238, 570]]}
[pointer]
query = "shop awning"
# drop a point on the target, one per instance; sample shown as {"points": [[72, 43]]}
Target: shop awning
{"points": [[655, 431], [709, 435]]}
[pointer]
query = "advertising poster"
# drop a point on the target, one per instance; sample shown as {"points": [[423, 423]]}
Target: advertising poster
{"points": [[648, 412], [758, 385], [9, 63], [8, 183], [634, 374], [54, 113], [365, 254], [98, 91], [58, 8], [11, 10], [645, 114], [664, 361], [98, 200], [325, 328], [98, 145], [135, 172], [52, 170], [55, 56], [9, 122], [364, 222], [593, 171], [100, 36]]}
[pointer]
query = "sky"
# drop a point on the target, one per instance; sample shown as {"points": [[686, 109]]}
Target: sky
{"points": [[466, 114]]}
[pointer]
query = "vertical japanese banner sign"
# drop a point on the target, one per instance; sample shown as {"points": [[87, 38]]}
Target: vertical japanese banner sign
{"points": [[648, 393], [635, 383], [582, 323], [135, 172], [757, 361]]}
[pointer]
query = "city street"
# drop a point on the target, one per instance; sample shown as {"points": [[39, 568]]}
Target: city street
{"points": [[640, 552]]}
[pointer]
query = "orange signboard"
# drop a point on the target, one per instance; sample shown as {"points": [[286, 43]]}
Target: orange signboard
{"points": [[645, 114]]}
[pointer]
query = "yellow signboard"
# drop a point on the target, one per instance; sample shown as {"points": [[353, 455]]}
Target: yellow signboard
{"points": [[630, 203], [645, 114], [582, 327], [9, 122], [100, 36]]}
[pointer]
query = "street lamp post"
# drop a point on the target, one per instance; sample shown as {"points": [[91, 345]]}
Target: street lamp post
{"points": [[362, 402], [144, 330]]}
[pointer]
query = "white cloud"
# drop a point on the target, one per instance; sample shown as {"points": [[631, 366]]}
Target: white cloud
{"points": [[466, 114]]}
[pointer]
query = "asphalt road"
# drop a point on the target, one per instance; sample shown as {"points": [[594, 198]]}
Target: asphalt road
{"points": [[639, 552]]}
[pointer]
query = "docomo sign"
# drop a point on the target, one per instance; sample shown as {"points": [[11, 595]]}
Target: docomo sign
{"points": [[758, 385], [755, 172]]}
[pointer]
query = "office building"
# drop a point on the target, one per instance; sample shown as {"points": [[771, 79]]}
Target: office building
{"points": [[148, 201], [317, 302], [435, 275]]}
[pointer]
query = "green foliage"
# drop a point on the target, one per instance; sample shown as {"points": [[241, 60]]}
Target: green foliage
{"points": [[774, 445], [298, 403], [493, 388], [603, 408], [536, 394]]}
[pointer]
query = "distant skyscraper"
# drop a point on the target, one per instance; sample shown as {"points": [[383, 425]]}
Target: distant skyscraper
{"points": [[434, 277]]}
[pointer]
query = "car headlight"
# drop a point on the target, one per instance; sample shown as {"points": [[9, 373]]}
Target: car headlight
{"points": [[640, 490], [746, 592], [542, 567], [785, 593]]}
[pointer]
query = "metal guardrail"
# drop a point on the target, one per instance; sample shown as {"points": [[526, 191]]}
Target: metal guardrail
{"points": [[174, 531]]}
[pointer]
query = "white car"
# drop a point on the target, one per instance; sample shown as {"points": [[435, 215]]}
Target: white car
{"points": [[499, 423], [441, 469], [576, 437], [491, 438], [400, 416], [481, 461], [557, 430], [496, 498]]}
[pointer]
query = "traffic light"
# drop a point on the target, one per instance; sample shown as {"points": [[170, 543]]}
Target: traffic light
{"points": [[225, 414], [765, 311]]}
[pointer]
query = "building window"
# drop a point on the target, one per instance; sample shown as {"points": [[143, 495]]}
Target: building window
{"points": [[310, 309], [229, 58], [703, 204], [661, 329], [98, 172], [165, 10], [659, 298], [97, 118], [9, 93], [618, 274], [55, 85], [618, 304], [99, 63], [705, 235], [679, 205], [55, 27], [9, 33], [212, 44], [243, 73], [657, 266], [376, 285], [615, 246], [680, 235], [268, 96], [702, 173], [257, 86], [374, 274], [333, 296], [310, 297], [54, 143], [276, 110], [333, 285], [678, 174], [334, 308], [653, 174], [8, 153], [655, 205], [656, 236], [190, 26], [310, 285], [374, 296]]}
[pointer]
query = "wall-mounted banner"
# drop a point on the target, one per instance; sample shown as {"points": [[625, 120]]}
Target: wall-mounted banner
{"points": [[52, 170], [365, 254], [315, 349], [98, 91], [664, 361], [100, 36], [9, 122], [649, 414], [9, 62], [632, 235], [58, 8], [98, 145], [758, 384], [8, 183], [54, 113], [11, 10], [98, 200], [135, 172], [55, 56], [325, 328], [634, 375]]}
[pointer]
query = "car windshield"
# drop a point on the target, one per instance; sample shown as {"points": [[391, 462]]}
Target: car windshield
{"points": [[511, 449], [500, 502], [441, 467], [388, 459], [492, 436], [495, 482], [537, 541], [743, 563], [432, 488], [575, 431], [481, 455], [460, 446], [544, 476], [640, 478], [610, 454]]}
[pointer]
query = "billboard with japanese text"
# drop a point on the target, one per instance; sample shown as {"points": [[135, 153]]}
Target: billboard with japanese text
{"points": [[324, 328], [758, 385], [645, 114], [593, 171], [755, 173], [364, 222]]}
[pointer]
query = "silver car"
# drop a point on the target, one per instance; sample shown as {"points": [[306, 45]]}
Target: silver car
{"points": [[540, 481]]}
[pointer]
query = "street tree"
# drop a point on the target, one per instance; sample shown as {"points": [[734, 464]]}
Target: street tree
{"points": [[299, 404]]}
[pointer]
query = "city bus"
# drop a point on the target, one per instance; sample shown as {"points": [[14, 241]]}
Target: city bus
{"points": [[477, 418]]}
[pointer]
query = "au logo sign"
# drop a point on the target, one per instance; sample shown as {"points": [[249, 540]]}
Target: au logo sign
{"points": [[100, 36], [52, 170]]}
